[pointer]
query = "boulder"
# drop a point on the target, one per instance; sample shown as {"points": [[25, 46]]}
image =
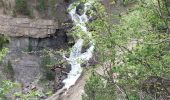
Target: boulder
{"points": [[80, 9]]}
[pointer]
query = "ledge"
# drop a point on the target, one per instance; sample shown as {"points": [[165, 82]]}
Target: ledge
{"points": [[25, 27]]}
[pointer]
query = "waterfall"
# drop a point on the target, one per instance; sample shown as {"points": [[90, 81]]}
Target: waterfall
{"points": [[76, 57]]}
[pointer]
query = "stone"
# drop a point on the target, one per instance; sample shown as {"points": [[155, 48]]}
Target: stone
{"points": [[25, 27], [68, 68], [27, 69], [80, 9]]}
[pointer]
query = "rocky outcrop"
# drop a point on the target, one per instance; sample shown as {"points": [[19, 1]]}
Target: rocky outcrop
{"points": [[59, 40], [27, 68], [30, 36], [25, 27], [80, 9], [40, 24]]}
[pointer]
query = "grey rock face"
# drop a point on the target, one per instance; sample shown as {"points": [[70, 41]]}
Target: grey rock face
{"points": [[27, 68], [59, 40], [34, 34], [36, 28]]}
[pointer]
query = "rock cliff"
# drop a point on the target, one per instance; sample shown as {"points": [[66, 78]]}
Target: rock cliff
{"points": [[43, 17], [42, 28], [25, 27]]}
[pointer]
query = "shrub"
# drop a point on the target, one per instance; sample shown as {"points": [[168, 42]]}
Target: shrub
{"points": [[50, 75], [21, 7], [10, 70], [6, 87], [47, 64], [3, 40], [53, 8], [42, 5], [97, 88]]}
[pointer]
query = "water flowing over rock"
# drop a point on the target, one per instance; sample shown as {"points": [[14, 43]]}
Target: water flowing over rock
{"points": [[76, 57], [80, 9]]}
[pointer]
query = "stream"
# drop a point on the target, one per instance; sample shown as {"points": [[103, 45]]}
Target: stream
{"points": [[76, 58]]}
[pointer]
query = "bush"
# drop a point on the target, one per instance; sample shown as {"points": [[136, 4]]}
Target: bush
{"points": [[50, 75], [97, 88], [42, 5], [6, 87], [47, 64], [3, 40], [21, 7], [53, 8], [10, 70]]}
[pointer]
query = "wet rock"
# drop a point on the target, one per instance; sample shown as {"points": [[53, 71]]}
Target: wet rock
{"points": [[92, 18], [84, 64], [92, 14], [68, 24], [91, 62], [80, 9], [60, 76], [68, 68]]}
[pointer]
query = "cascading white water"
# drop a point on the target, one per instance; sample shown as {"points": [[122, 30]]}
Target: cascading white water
{"points": [[76, 57]]}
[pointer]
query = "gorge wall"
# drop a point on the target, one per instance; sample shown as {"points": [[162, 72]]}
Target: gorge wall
{"points": [[44, 27], [42, 22]]}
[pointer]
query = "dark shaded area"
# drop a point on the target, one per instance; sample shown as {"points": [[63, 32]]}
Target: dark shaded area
{"points": [[55, 41], [58, 40], [80, 9], [157, 87]]}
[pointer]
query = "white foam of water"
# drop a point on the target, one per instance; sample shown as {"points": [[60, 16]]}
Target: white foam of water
{"points": [[76, 57]]}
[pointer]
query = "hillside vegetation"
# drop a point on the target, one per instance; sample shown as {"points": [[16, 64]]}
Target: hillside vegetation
{"points": [[134, 52], [46, 9], [138, 73]]}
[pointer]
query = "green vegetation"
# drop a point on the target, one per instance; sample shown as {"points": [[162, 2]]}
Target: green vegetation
{"points": [[8, 90], [5, 88], [9, 71], [47, 65], [42, 5], [3, 51], [21, 7], [134, 53], [3, 40], [47, 5], [49, 62], [97, 89], [126, 2], [32, 95], [142, 72], [53, 4]]}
